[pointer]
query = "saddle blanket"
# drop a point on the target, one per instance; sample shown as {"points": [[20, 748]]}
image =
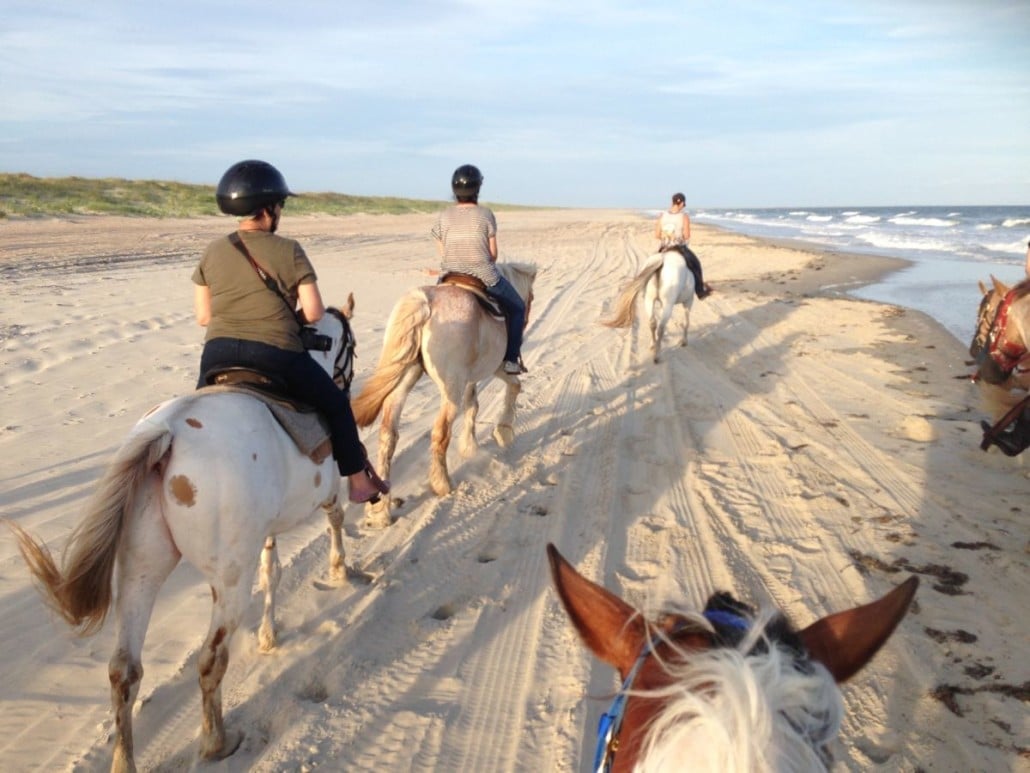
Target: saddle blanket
{"points": [[306, 428], [477, 288]]}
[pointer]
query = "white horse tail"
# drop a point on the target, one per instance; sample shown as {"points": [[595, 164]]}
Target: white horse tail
{"points": [[80, 592], [402, 344], [625, 303]]}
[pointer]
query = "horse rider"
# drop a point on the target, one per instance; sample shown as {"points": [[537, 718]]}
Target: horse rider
{"points": [[672, 229], [466, 238], [253, 325]]}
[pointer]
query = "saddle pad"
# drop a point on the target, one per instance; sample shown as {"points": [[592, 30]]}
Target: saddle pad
{"points": [[477, 288], [307, 429]]}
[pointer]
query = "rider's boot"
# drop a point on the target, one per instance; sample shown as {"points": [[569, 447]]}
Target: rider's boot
{"points": [[1016, 440]]}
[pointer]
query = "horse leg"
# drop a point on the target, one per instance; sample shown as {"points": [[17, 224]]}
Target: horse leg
{"points": [[469, 446], [504, 432], [337, 553], [651, 302], [147, 557], [686, 323], [439, 479], [229, 598], [377, 516], [268, 581], [659, 320]]}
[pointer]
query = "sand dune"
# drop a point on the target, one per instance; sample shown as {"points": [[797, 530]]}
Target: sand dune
{"points": [[805, 449]]}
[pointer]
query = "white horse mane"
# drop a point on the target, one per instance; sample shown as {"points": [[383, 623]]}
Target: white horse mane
{"points": [[521, 275], [727, 710]]}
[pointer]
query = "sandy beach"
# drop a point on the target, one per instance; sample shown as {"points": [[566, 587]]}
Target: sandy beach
{"points": [[806, 449]]}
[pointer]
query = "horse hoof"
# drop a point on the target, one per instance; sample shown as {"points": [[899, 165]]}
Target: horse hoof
{"points": [[230, 743], [376, 517], [504, 436], [267, 640]]}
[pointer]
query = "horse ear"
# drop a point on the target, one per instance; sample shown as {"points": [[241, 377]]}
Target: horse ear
{"points": [[844, 642], [983, 287], [999, 286], [609, 627], [348, 308]]}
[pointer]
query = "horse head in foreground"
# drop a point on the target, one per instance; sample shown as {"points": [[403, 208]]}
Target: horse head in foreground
{"points": [[666, 282], [444, 331], [725, 690], [188, 483], [999, 348]]}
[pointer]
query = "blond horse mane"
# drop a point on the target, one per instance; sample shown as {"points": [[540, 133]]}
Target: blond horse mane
{"points": [[740, 709]]}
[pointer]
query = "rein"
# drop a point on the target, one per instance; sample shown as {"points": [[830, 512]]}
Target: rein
{"points": [[343, 367], [610, 723]]}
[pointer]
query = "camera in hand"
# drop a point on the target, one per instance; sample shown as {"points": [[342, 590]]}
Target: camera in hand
{"points": [[315, 341]]}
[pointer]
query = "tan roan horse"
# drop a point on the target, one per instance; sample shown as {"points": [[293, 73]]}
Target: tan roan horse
{"points": [[444, 331], [999, 348], [725, 690], [188, 483]]}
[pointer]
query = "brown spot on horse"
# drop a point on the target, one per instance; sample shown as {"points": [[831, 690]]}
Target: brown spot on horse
{"points": [[183, 490]]}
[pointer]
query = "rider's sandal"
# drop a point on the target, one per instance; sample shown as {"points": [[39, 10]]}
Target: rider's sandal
{"points": [[382, 487]]}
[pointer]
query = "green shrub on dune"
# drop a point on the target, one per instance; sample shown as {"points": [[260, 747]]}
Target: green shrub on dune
{"points": [[28, 196]]}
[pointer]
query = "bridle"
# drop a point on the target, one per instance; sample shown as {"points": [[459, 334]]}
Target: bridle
{"points": [[343, 367], [991, 343], [610, 723]]}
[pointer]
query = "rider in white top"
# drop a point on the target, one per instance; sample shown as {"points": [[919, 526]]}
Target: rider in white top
{"points": [[673, 233]]}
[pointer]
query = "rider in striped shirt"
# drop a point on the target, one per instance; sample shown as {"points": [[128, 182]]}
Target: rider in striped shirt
{"points": [[466, 237]]}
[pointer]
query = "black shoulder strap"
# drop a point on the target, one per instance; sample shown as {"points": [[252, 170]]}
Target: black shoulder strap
{"points": [[270, 283]]}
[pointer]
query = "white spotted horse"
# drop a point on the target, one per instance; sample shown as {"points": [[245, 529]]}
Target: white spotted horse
{"points": [[210, 477]]}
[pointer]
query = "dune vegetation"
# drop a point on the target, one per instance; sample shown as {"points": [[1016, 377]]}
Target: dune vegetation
{"points": [[23, 195]]}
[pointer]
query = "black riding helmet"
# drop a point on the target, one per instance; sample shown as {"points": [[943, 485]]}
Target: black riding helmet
{"points": [[248, 186], [466, 180]]}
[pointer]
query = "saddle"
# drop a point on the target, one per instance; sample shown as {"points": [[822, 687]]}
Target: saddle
{"points": [[305, 426], [475, 286]]}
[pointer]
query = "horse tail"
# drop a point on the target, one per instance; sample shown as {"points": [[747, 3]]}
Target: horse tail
{"points": [[402, 345], [80, 592], [625, 303]]}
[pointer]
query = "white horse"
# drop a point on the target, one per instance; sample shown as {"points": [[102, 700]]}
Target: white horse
{"points": [[210, 477], [441, 330], [666, 282]]}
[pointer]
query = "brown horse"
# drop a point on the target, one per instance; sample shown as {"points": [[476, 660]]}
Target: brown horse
{"points": [[999, 347], [725, 690], [441, 330]]}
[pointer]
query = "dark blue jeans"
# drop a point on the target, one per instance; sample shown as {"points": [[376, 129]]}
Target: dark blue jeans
{"points": [[305, 380], [515, 311], [694, 264]]}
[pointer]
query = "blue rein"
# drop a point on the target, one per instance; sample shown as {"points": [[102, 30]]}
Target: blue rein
{"points": [[610, 723]]}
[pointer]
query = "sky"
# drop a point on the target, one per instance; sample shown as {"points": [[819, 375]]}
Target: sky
{"points": [[611, 103]]}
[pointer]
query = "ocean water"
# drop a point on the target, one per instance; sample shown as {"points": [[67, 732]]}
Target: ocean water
{"points": [[950, 249]]}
